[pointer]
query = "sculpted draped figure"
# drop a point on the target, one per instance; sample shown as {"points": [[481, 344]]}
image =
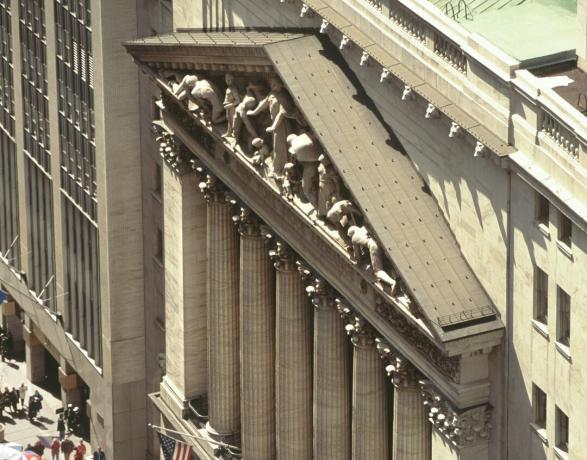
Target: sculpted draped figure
{"points": [[304, 151], [280, 106], [198, 90], [360, 238]]}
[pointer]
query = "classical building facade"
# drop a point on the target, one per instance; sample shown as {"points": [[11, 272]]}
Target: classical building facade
{"points": [[374, 228], [325, 229]]}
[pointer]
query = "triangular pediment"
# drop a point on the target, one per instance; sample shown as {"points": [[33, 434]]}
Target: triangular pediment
{"points": [[396, 209]]}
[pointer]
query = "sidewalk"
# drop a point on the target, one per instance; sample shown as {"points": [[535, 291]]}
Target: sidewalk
{"points": [[18, 428]]}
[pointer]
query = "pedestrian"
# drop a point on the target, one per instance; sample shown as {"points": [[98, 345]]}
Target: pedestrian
{"points": [[22, 391], [99, 454], [55, 446], [14, 400], [80, 450], [67, 448], [61, 427]]}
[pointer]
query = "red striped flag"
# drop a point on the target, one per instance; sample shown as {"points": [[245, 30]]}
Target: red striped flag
{"points": [[174, 450]]}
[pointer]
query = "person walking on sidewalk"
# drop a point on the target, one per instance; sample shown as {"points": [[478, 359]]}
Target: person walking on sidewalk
{"points": [[80, 450], [22, 391], [61, 427], [67, 448], [99, 454], [55, 446]]}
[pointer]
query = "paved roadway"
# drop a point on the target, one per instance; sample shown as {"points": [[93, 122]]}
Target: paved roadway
{"points": [[19, 429]]}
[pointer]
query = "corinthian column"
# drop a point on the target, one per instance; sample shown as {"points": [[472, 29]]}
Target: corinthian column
{"points": [[411, 429], [257, 343], [223, 318], [332, 386], [369, 425], [293, 361]]}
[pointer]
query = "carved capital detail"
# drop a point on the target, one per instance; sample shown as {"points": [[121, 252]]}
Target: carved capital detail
{"points": [[403, 374], [283, 256], [450, 366], [462, 428], [213, 190], [361, 333], [172, 151], [247, 222], [321, 293]]}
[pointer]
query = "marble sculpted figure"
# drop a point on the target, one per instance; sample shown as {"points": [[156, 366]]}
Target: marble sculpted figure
{"points": [[284, 151], [280, 106], [198, 91], [361, 239]]}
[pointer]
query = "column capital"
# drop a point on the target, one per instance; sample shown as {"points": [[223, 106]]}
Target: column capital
{"points": [[247, 222], [213, 189], [283, 256], [462, 428], [362, 334], [172, 151], [321, 293]]}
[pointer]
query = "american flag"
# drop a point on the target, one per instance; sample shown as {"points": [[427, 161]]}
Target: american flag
{"points": [[174, 450]]}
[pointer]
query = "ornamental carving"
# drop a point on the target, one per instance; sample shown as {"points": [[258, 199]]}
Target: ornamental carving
{"points": [[259, 120], [247, 222], [402, 373], [463, 428], [449, 366], [259, 123], [172, 151], [283, 256]]}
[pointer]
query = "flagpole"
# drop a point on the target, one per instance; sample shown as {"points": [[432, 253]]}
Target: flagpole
{"points": [[187, 435]]}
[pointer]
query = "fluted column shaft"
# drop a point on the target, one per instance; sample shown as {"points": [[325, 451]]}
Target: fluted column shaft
{"points": [[223, 318], [369, 425], [293, 365], [257, 341], [332, 383], [411, 429]]}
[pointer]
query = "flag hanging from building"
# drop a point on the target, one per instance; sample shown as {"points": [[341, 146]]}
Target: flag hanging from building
{"points": [[174, 450]]}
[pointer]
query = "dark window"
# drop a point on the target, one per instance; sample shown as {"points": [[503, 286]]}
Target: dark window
{"points": [[159, 246], [563, 334], [542, 209], [562, 430], [539, 405], [540, 296], [565, 230]]}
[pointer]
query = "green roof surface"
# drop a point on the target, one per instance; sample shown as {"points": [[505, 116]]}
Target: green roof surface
{"points": [[531, 31]]}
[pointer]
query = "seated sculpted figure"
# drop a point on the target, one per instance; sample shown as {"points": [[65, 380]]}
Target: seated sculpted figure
{"points": [[289, 186], [304, 151], [199, 90], [262, 152], [361, 239]]}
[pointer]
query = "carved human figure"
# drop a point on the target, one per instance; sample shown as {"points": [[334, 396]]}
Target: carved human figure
{"points": [[360, 238], [241, 115], [290, 181], [329, 185], [303, 150], [232, 99], [262, 152], [280, 106], [341, 214], [197, 90]]}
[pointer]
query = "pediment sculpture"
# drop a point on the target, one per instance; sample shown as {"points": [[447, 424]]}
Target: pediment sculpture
{"points": [[260, 120]]}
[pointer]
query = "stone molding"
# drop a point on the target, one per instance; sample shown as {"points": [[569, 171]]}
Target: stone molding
{"points": [[247, 222], [283, 256], [448, 365], [462, 428]]}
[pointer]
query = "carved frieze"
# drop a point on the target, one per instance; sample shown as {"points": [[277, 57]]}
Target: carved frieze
{"points": [[449, 366], [463, 428]]}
